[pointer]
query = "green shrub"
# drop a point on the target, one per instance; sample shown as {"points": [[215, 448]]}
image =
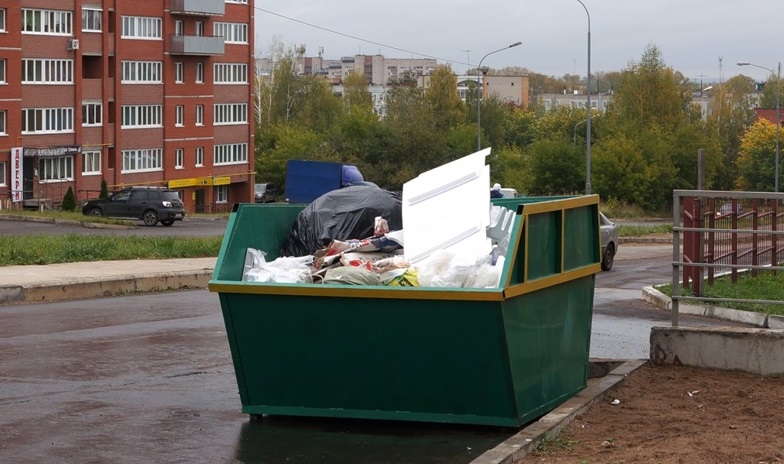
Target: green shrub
{"points": [[104, 189], [69, 201]]}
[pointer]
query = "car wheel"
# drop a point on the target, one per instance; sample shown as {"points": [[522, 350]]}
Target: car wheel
{"points": [[150, 218], [607, 257], [95, 212], [167, 222]]}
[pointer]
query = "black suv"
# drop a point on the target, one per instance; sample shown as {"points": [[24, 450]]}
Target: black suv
{"points": [[149, 204]]}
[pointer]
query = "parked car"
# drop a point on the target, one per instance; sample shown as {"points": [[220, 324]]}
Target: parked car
{"points": [[609, 241], [265, 193], [148, 204]]}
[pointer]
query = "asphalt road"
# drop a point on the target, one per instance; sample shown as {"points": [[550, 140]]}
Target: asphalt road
{"points": [[190, 227]]}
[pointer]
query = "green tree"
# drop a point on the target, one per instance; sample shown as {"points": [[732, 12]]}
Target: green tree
{"points": [[768, 99], [356, 96], [447, 108], [556, 167], [619, 170], [319, 108], [495, 113], [69, 201], [104, 189]]}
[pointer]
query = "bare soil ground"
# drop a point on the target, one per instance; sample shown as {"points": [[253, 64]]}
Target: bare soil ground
{"points": [[677, 414]]}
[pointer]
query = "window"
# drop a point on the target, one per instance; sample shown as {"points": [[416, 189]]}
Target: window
{"points": [[55, 168], [178, 29], [231, 73], [147, 159], [3, 130], [41, 71], [2, 19], [199, 73], [199, 115], [91, 20], [179, 158], [141, 27], [91, 162], [231, 153], [3, 167], [222, 194], [141, 116], [179, 73], [52, 22], [232, 32], [199, 156], [230, 113], [47, 120], [237, 1], [142, 72], [179, 115], [91, 114], [2, 70], [199, 28]]}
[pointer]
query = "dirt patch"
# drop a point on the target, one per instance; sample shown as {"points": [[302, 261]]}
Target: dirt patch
{"points": [[677, 414]]}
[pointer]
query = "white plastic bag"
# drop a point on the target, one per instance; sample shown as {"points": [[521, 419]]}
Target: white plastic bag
{"points": [[288, 270]]}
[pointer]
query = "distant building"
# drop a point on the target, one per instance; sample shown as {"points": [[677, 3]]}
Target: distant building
{"points": [[378, 69]]}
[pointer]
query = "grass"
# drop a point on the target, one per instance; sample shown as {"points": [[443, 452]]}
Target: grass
{"points": [[767, 285], [638, 231], [51, 249]]}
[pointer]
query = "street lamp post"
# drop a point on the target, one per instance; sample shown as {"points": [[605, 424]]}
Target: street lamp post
{"points": [[778, 115], [481, 90], [588, 110]]}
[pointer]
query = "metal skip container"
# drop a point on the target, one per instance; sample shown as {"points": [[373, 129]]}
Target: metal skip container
{"points": [[487, 356]]}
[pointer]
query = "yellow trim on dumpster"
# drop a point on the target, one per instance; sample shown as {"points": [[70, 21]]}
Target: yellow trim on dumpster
{"points": [[539, 284], [353, 291]]}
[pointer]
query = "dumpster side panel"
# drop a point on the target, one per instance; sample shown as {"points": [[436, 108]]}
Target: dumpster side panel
{"points": [[582, 243], [371, 358], [548, 333]]}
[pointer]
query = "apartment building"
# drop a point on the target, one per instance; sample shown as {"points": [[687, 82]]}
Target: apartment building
{"points": [[131, 93]]}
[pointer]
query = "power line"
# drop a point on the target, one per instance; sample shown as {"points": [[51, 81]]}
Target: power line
{"points": [[358, 38]]}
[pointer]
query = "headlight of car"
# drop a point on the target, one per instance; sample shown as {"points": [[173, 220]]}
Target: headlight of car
{"points": [[167, 204]]}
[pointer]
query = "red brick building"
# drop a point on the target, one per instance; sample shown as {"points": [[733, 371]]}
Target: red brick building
{"points": [[133, 93]]}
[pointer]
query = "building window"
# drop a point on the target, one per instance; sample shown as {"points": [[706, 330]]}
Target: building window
{"points": [[3, 129], [179, 158], [91, 114], [230, 153], [178, 29], [230, 113], [142, 72], [148, 159], [141, 27], [199, 157], [2, 19], [179, 73], [3, 167], [231, 73], [42, 71], [179, 115], [199, 28], [222, 194], [47, 120], [199, 115], [2, 70], [232, 32], [52, 22], [199, 73], [141, 116], [237, 1], [91, 20], [55, 168], [91, 162]]}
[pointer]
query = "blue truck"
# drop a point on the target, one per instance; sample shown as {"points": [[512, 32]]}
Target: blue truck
{"points": [[308, 180]]}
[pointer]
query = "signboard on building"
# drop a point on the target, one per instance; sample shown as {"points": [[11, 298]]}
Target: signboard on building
{"points": [[46, 152], [17, 185]]}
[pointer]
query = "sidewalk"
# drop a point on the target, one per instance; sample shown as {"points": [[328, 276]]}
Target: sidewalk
{"points": [[68, 281]]}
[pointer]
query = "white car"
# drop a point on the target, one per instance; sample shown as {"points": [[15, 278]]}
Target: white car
{"points": [[609, 233]]}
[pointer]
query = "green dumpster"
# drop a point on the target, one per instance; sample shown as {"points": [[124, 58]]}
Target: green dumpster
{"points": [[488, 356]]}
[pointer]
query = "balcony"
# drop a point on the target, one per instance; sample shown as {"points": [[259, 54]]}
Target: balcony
{"points": [[198, 7], [196, 45]]}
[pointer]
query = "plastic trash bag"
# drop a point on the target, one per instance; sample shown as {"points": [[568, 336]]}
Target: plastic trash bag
{"points": [[451, 270], [344, 214], [289, 270]]}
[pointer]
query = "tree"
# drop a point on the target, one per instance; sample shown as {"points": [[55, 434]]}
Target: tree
{"points": [[756, 166], [447, 108], [556, 167], [356, 96], [69, 201], [104, 189]]}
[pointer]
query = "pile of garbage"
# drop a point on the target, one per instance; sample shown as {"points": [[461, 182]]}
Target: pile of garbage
{"points": [[354, 235]]}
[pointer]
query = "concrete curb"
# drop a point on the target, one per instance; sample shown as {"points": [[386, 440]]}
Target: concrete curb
{"points": [[662, 301], [525, 441], [104, 287]]}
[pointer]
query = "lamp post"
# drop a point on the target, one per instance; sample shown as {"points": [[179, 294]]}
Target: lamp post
{"points": [[588, 110], [778, 115], [479, 97]]}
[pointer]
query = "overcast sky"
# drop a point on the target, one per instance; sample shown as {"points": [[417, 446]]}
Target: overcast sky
{"points": [[702, 39]]}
